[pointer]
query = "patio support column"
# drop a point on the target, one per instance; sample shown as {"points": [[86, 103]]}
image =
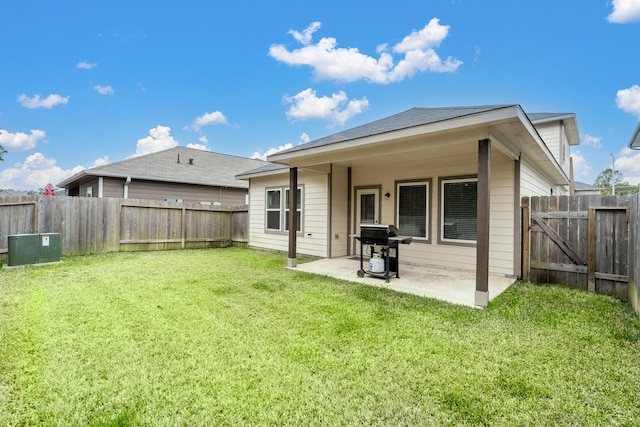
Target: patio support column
{"points": [[293, 216], [482, 238]]}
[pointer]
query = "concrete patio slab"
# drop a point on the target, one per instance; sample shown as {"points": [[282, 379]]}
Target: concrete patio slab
{"points": [[457, 287]]}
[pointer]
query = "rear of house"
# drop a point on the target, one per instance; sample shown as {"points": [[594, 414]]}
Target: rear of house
{"points": [[424, 170]]}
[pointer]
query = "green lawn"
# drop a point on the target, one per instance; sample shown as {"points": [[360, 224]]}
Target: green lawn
{"points": [[231, 337]]}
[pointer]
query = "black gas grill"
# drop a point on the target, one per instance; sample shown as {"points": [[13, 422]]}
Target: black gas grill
{"points": [[381, 239]]}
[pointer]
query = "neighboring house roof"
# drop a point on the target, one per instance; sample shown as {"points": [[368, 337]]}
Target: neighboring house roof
{"points": [[508, 120], [583, 186], [635, 139], [177, 164]]}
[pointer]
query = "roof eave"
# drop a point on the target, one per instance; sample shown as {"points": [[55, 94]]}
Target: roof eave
{"points": [[507, 112], [635, 139]]}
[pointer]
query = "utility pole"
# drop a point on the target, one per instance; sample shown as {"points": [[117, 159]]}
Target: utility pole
{"points": [[613, 173]]}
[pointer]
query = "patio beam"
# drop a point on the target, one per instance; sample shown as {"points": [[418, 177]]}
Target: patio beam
{"points": [[293, 216], [483, 210]]}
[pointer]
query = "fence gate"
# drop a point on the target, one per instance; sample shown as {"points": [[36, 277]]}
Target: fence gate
{"points": [[577, 241]]}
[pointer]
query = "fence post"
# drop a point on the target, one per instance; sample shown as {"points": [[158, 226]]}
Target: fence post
{"points": [[183, 227], [591, 251]]}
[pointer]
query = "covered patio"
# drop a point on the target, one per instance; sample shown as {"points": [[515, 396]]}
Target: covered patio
{"points": [[457, 287]]}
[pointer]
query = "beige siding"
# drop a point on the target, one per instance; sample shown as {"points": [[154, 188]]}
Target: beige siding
{"points": [[313, 238], [339, 234], [443, 254], [532, 183], [554, 136]]}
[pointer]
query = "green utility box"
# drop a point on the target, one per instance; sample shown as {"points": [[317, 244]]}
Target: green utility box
{"points": [[23, 249], [34, 248], [50, 247]]}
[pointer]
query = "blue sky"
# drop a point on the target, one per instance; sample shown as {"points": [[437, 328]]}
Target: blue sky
{"points": [[84, 83]]}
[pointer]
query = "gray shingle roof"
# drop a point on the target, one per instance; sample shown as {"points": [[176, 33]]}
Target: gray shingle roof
{"points": [[269, 167], [583, 186], [410, 118], [194, 167]]}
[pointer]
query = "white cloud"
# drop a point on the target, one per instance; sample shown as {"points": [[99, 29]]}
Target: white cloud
{"points": [[306, 35], [629, 100], [198, 147], [257, 155], [208, 119], [36, 172], [270, 151], [103, 90], [203, 139], [629, 165], [330, 62], [592, 141], [580, 166], [159, 139], [37, 102], [625, 11], [86, 65], [100, 162], [21, 140], [337, 108]]}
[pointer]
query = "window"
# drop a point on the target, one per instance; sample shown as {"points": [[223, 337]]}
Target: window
{"points": [[459, 199], [412, 209], [273, 209], [277, 209], [298, 209]]}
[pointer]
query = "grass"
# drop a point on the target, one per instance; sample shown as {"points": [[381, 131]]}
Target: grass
{"points": [[231, 337]]}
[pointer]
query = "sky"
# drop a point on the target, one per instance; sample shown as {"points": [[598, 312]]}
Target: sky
{"points": [[84, 83]]}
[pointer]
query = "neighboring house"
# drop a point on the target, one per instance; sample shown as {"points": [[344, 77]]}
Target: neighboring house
{"points": [[584, 189], [452, 178], [177, 174]]}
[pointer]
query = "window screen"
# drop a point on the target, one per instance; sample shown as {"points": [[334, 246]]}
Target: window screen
{"points": [[459, 209], [412, 209]]}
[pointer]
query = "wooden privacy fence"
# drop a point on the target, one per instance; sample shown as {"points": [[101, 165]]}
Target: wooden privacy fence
{"points": [[579, 241], [96, 225]]}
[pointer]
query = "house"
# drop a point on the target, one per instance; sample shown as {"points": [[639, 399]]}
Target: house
{"points": [[452, 178], [176, 174]]}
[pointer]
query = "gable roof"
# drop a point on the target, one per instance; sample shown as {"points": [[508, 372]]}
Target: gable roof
{"points": [[507, 124], [177, 164], [407, 119]]}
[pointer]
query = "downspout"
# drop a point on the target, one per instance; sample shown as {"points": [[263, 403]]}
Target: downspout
{"points": [[126, 187]]}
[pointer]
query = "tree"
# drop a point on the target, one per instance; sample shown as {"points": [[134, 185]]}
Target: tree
{"points": [[604, 181]]}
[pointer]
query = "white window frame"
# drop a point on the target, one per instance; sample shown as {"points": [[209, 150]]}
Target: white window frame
{"points": [[267, 209], [286, 209], [427, 218], [443, 182], [282, 209]]}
